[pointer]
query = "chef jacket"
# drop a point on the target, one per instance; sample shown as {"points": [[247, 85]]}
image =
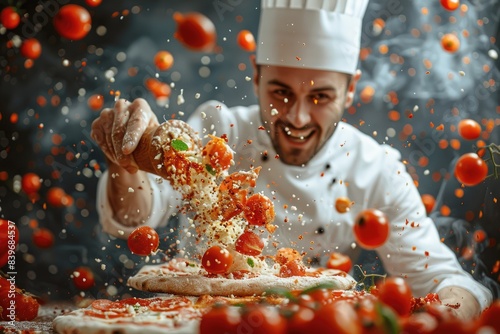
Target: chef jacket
{"points": [[350, 164]]}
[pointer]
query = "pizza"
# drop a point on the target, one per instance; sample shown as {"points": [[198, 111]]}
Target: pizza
{"points": [[184, 277]]}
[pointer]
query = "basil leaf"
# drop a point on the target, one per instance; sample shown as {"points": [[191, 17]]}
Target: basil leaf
{"points": [[250, 262], [210, 169], [179, 145]]}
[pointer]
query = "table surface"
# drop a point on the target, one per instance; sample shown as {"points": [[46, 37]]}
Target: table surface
{"points": [[42, 323]]}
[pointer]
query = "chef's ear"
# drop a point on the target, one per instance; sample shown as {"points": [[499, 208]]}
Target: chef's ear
{"points": [[256, 74], [351, 88]]}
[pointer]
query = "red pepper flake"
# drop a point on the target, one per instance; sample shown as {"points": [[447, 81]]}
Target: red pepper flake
{"points": [[277, 156], [440, 127], [261, 128], [414, 248], [426, 253], [298, 58]]}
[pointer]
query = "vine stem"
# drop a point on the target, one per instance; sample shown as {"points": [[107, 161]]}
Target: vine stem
{"points": [[493, 151], [362, 284]]}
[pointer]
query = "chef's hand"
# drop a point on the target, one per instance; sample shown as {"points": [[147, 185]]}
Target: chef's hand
{"points": [[468, 306], [118, 130]]}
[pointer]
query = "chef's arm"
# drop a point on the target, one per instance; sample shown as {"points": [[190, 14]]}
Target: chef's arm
{"points": [[468, 306], [130, 195]]}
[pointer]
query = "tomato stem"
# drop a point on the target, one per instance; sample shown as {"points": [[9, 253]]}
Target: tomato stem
{"points": [[493, 151], [361, 283]]}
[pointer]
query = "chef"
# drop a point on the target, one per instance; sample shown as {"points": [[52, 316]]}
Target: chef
{"points": [[305, 77]]}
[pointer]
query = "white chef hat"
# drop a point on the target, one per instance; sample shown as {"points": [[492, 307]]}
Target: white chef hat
{"points": [[313, 34]]}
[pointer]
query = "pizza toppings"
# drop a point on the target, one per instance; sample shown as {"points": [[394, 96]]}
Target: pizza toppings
{"points": [[217, 260], [249, 243], [339, 261], [371, 228], [143, 241]]}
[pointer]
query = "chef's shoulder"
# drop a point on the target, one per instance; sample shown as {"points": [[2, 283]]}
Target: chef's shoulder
{"points": [[365, 147]]}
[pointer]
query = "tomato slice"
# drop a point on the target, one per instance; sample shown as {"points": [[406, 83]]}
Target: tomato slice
{"points": [[170, 304]]}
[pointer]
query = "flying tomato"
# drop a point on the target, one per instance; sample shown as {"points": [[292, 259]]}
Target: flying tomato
{"points": [[450, 5], [246, 40], [30, 183], [9, 18], [470, 169], [83, 278], [469, 129], [31, 48], [143, 241], [371, 228], [217, 260], [249, 243], [163, 60], [195, 31], [72, 22], [450, 43]]}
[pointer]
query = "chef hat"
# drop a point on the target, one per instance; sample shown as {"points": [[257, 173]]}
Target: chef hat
{"points": [[313, 34]]}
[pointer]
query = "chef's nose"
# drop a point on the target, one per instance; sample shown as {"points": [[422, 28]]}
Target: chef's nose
{"points": [[298, 113]]}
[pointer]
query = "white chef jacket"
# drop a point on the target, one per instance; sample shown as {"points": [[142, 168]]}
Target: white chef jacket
{"points": [[350, 164]]}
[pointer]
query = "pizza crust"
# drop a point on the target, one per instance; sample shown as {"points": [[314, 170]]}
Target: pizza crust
{"points": [[159, 278]]}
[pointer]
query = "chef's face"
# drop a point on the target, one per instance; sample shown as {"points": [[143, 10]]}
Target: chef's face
{"points": [[300, 108]]}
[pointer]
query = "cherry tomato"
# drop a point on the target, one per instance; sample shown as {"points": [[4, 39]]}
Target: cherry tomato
{"points": [[144, 240], [396, 293], [293, 268], [469, 129], [57, 197], [9, 238], [93, 3], [450, 43], [371, 228], [246, 40], [43, 238], [470, 169], [342, 204], [220, 319], [259, 210], [170, 304], [195, 31], [262, 319], [26, 306], [95, 102], [450, 4], [339, 261], [217, 154], [83, 278], [163, 60], [31, 48], [339, 317], [30, 183], [418, 323], [217, 260], [72, 22], [490, 317], [157, 88], [249, 243], [9, 18], [300, 319], [429, 202], [321, 296]]}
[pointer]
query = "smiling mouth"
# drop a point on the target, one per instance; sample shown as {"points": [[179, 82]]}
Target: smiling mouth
{"points": [[297, 135]]}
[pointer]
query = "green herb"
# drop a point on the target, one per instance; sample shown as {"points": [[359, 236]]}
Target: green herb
{"points": [[328, 286], [250, 262], [210, 169], [179, 145]]}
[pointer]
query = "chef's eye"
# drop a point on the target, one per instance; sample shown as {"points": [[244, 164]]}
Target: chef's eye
{"points": [[320, 98], [282, 93]]}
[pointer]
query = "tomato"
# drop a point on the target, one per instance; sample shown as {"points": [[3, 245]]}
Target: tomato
{"points": [[293, 268], [217, 154], [108, 305], [339, 317], [95, 102], [259, 210], [450, 4], [490, 317], [249, 243], [470, 169], [195, 31], [299, 320], [450, 43], [9, 18], [9, 238], [339, 261], [396, 293], [31, 48], [26, 306], [57, 197], [93, 3], [170, 304], [429, 202], [72, 22], [371, 228], [157, 88], [342, 204], [321, 296], [469, 129], [43, 238], [144, 240], [83, 278], [30, 183], [262, 319], [217, 260], [220, 319], [418, 323], [246, 40], [163, 60]]}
